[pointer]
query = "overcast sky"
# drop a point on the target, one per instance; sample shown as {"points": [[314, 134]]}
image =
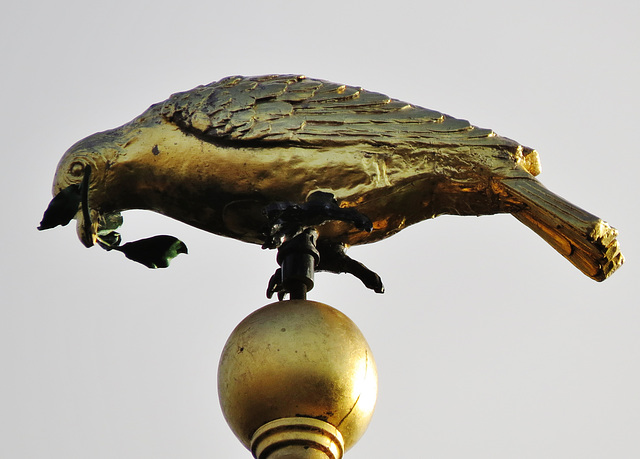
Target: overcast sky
{"points": [[488, 343]]}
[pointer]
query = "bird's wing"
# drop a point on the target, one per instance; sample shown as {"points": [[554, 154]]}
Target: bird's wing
{"points": [[275, 109]]}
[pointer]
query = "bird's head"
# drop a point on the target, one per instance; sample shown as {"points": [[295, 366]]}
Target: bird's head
{"points": [[82, 191], [79, 187]]}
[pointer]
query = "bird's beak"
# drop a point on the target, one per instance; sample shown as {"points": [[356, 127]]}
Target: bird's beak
{"points": [[73, 203]]}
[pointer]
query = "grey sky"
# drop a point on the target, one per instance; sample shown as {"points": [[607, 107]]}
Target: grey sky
{"points": [[488, 343]]}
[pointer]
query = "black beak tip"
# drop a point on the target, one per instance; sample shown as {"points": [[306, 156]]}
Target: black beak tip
{"points": [[45, 225]]}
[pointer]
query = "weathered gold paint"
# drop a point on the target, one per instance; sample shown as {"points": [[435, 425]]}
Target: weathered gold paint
{"points": [[213, 158], [297, 359]]}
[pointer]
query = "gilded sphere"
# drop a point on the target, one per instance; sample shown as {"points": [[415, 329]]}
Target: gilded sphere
{"points": [[297, 358]]}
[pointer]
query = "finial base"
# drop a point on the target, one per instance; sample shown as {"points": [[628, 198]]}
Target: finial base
{"points": [[297, 438]]}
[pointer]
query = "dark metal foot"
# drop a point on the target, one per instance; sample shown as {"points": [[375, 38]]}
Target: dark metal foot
{"points": [[287, 219], [275, 285], [291, 230], [295, 276], [334, 259]]}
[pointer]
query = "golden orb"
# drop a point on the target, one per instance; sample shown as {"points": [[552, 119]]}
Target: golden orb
{"points": [[297, 366]]}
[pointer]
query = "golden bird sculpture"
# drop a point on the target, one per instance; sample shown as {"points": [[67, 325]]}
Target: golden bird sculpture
{"points": [[253, 157]]}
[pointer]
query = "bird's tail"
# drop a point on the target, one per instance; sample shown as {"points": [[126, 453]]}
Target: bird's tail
{"points": [[583, 239]]}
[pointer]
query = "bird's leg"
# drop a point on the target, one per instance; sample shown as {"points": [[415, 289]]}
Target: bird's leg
{"points": [[291, 230], [288, 219], [299, 256], [334, 259]]}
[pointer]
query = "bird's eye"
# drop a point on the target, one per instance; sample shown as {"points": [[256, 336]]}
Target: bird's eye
{"points": [[76, 169]]}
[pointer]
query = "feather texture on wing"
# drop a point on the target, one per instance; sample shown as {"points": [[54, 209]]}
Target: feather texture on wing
{"points": [[285, 108]]}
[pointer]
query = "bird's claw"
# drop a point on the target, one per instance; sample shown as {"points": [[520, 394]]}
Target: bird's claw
{"points": [[288, 221], [334, 259], [276, 285]]}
